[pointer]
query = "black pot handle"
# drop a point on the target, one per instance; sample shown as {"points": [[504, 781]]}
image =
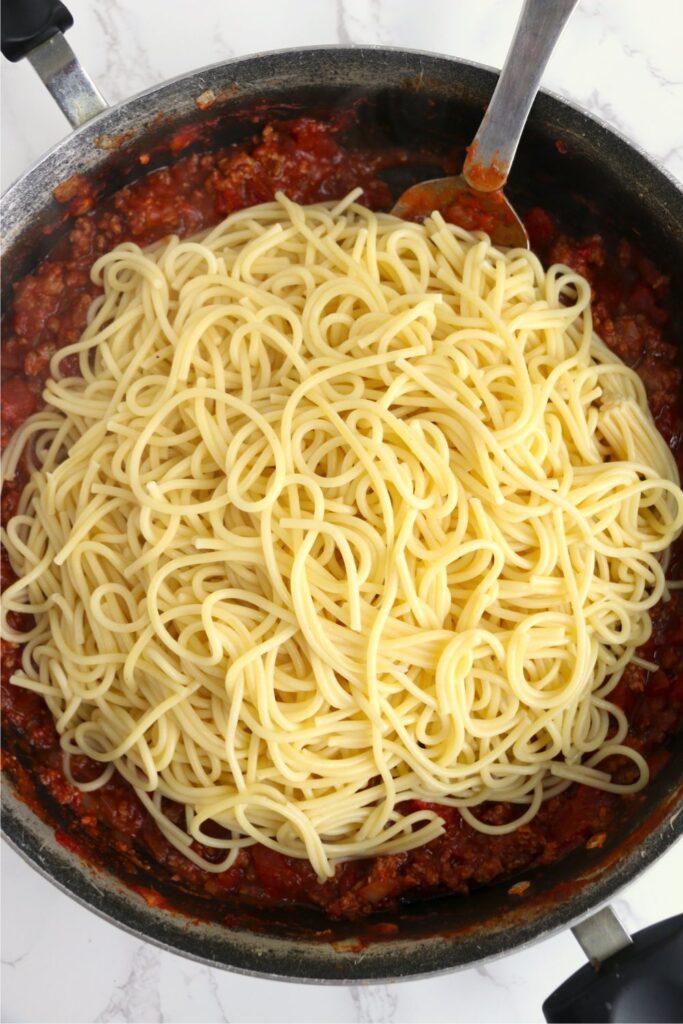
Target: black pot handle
{"points": [[34, 29], [641, 981], [28, 23]]}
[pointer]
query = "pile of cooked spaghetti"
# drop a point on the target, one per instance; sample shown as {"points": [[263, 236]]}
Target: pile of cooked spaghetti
{"points": [[342, 513]]}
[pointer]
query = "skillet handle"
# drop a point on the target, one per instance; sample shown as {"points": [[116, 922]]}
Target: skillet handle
{"points": [[641, 981], [27, 23], [34, 29]]}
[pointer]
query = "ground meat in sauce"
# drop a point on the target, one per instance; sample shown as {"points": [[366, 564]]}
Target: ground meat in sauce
{"points": [[110, 826]]}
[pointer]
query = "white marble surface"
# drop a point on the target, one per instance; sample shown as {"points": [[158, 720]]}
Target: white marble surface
{"points": [[620, 59]]}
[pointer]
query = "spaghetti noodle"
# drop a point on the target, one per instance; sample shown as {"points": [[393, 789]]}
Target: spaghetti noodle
{"points": [[343, 512]]}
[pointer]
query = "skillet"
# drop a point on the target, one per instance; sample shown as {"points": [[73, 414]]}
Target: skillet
{"points": [[600, 184]]}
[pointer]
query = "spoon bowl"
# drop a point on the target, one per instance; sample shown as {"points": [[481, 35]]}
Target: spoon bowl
{"points": [[465, 206]]}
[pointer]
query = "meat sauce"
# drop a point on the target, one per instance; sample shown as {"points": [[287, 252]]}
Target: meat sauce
{"points": [[109, 826]]}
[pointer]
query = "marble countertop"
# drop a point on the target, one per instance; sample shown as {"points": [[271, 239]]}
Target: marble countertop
{"points": [[620, 60]]}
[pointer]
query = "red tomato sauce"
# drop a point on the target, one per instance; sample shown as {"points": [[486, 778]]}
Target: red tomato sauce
{"points": [[109, 827]]}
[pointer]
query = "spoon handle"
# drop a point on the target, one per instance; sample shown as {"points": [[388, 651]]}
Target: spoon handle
{"points": [[490, 155]]}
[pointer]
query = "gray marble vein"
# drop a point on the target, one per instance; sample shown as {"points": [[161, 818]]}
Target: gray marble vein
{"points": [[374, 1004], [343, 34], [137, 998]]}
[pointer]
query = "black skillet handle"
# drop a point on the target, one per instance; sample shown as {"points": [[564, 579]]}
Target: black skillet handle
{"points": [[642, 982], [27, 23], [34, 29]]}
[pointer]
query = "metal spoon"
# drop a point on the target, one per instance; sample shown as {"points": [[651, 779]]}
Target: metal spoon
{"points": [[474, 199]]}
